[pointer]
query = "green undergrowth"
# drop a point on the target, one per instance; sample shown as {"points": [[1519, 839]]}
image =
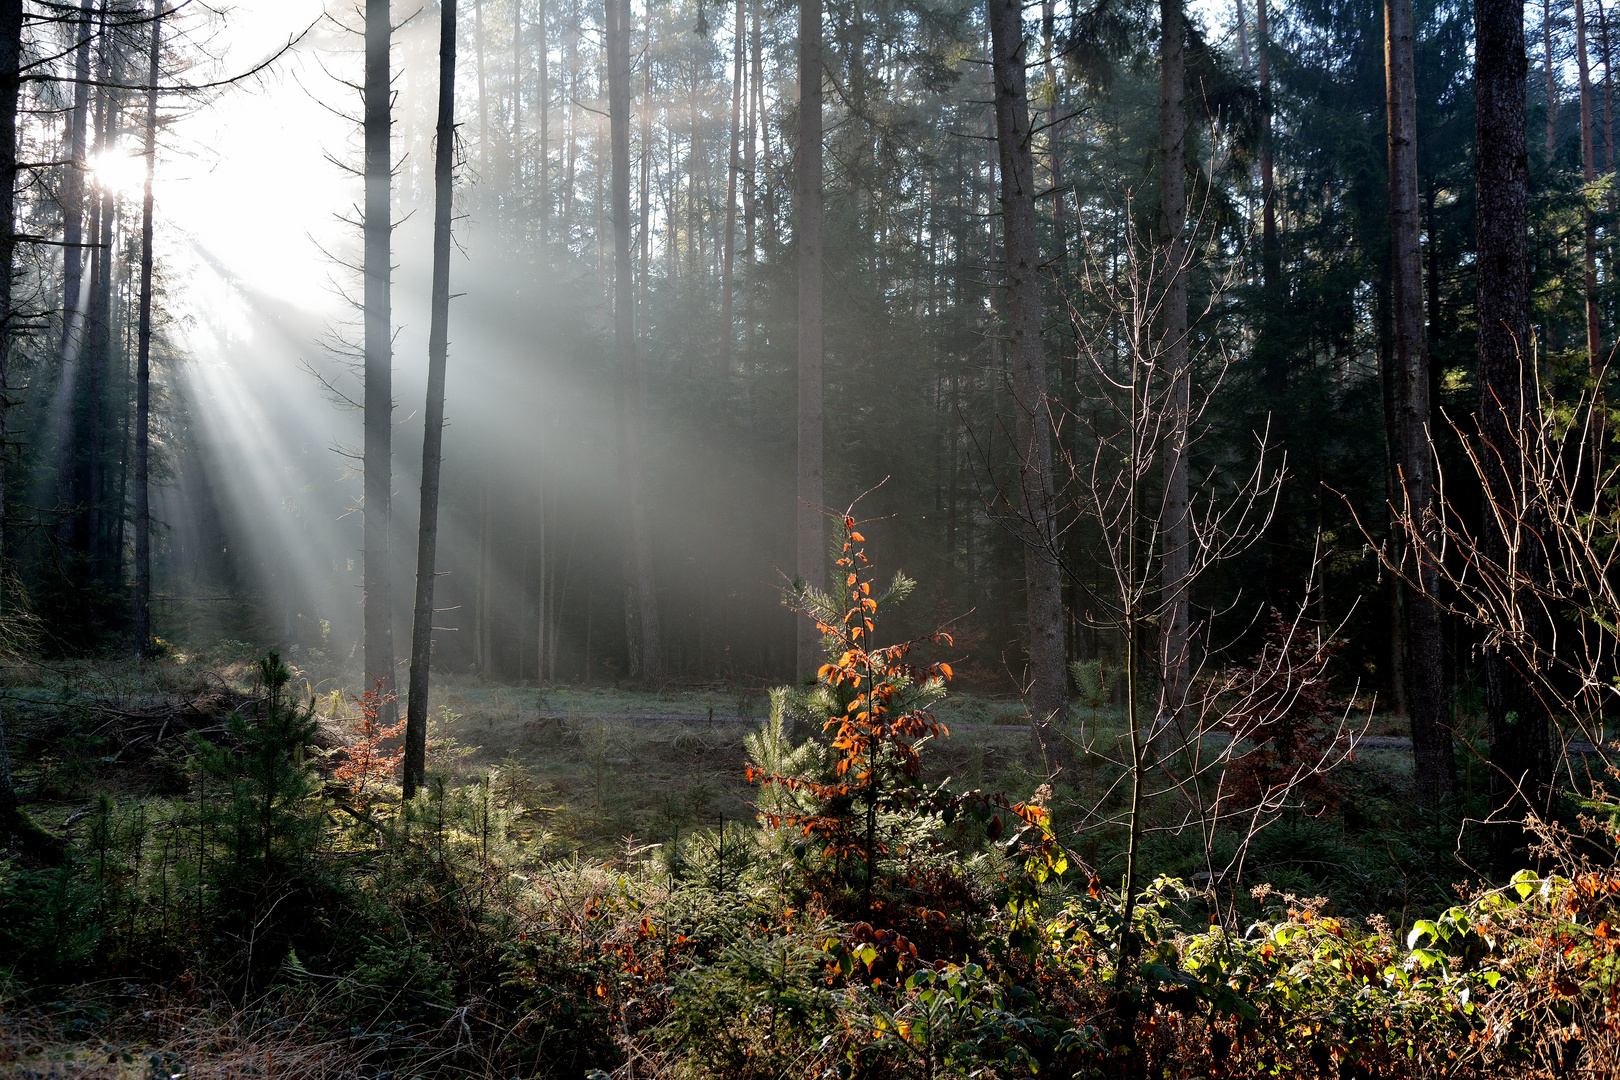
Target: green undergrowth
{"points": [[573, 893]]}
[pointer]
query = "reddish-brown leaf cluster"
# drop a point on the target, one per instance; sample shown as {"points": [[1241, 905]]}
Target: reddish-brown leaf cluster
{"points": [[369, 758], [876, 734], [1282, 706], [878, 763]]}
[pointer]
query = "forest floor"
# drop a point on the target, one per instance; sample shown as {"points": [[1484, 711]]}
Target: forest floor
{"points": [[607, 765], [616, 764], [608, 775]]}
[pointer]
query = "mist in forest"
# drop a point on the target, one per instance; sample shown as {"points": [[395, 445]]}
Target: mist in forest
{"points": [[433, 437], [258, 517], [264, 499]]}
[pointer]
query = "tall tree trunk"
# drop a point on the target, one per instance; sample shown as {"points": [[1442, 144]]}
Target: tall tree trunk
{"points": [[750, 191], [543, 108], [143, 361], [558, 595], [643, 281], [811, 544], [729, 243], [671, 198], [1057, 127], [73, 178], [1608, 92], [379, 394], [1270, 252], [11, 24], [1552, 76], [624, 338], [773, 224], [1271, 345], [694, 170], [1594, 334], [543, 611], [427, 533], [79, 328], [1389, 378], [486, 561], [88, 514], [570, 115], [1176, 535], [96, 385], [517, 105], [1026, 353], [483, 89], [1521, 755], [1431, 744], [1243, 35]]}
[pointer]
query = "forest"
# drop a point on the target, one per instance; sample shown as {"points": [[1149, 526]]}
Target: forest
{"points": [[737, 539]]}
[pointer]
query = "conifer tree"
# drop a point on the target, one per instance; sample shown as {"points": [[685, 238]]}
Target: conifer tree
{"points": [[1032, 415], [1521, 757], [1431, 743], [807, 238], [379, 401], [427, 533]]}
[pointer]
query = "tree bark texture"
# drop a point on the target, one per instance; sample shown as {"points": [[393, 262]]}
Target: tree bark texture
{"points": [[1026, 355], [1270, 251], [1175, 534], [427, 533], [1608, 92], [378, 400], [483, 87], [644, 266], [811, 543], [729, 245], [1435, 772], [143, 360], [11, 24], [73, 177], [89, 537], [79, 329], [632, 438], [517, 101], [1594, 333], [543, 114], [1552, 76], [1521, 754], [1388, 379], [1057, 129]]}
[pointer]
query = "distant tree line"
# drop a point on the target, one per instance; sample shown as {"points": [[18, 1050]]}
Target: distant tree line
{"points": [[863, 246]]}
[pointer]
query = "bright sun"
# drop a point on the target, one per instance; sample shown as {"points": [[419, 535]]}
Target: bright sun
{"points": [[120, 171]]}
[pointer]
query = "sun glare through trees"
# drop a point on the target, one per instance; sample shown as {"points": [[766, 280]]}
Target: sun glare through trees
{"points": [[842, 539]]}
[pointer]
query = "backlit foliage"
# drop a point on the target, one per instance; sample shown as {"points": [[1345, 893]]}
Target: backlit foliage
{"points": [[370, 760], [874, 805]]}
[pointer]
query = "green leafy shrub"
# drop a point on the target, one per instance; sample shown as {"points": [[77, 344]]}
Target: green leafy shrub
{"points": [[753, 1011], [400, 982]]}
